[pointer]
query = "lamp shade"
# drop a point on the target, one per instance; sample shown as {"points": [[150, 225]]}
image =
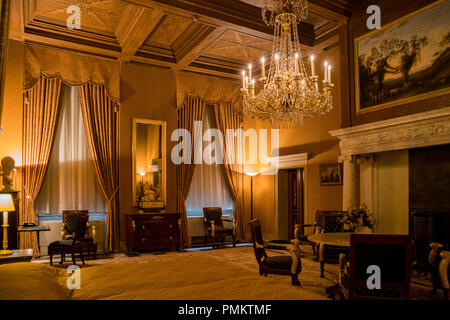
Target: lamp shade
{"points": [[251, 172], [6, 203]]}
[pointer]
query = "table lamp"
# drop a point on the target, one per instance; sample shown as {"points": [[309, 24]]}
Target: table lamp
{"points": [[6, 204]]}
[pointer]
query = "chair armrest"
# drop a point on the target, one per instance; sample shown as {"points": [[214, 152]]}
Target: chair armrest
{"points": [[63, 231], [343, 266], [443, 269], [233, 222], [213, 228], [435, 249]]}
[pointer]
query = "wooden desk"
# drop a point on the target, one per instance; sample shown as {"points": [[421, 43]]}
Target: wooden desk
{"points": [[21, 255]]}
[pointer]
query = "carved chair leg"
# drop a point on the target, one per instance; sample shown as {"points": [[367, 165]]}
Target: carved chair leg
{"points": [[260, 271], [81, 255], [294, 280], [234, 241], [212, 242], [51, 257], [63, 258], [73, 257], [95, 250]]}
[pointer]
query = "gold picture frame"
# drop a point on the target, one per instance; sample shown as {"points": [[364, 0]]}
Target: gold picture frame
{"points": [[400, 101], [150, 172], [330, 174]]}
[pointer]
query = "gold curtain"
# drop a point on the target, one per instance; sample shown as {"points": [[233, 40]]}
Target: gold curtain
{"points": [[192, 110], [226, 117], [40, 114], [101, 121], [4, 38]]}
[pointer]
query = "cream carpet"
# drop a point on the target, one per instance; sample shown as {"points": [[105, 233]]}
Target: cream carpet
{"points": [[243, 257]]}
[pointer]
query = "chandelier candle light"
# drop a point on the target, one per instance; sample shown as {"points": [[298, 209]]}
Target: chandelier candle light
{"points": [[287, 93]]}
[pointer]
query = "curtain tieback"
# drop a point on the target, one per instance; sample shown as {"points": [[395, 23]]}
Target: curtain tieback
{"points": [[113, 195]]}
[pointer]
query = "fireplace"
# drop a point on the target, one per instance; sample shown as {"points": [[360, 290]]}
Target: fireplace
{"points": [[429, 201]]}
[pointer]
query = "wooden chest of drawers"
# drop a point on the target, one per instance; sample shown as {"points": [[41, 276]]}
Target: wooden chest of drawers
{"points": [[148, 231]]}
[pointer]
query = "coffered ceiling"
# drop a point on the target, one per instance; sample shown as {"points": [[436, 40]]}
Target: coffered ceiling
{"points": [[210, 36]]}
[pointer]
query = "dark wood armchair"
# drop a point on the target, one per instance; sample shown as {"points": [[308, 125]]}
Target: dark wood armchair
{"points": [[391, 253], [72, 245], [70, 220], [214, 226], [439, 261], [282, 265], [326, 221]]}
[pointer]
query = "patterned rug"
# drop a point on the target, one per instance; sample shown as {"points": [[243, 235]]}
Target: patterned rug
{"points": [[243, 256]]}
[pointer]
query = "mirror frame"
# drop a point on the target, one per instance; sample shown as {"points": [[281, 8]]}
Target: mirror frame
{"points": [[133, 159]]}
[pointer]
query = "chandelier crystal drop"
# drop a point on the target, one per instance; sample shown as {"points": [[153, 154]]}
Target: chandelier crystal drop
{"points": [[287, 93]]}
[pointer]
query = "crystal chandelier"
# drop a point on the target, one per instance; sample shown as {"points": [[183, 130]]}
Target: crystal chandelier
{"points": [[287, 93]]}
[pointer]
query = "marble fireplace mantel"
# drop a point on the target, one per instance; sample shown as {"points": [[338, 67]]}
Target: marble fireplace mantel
{"points": [[418, 130], [357, 143]]}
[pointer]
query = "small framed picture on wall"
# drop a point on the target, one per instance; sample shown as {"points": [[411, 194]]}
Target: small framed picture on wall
{"points": [[330, 174]]}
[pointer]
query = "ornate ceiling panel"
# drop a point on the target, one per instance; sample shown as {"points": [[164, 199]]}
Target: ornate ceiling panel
{"points": [[239, 47], [210, 36], [168, 30]]}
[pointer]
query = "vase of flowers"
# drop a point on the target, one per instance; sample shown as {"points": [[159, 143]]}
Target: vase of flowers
{"points": [[358, 220]]}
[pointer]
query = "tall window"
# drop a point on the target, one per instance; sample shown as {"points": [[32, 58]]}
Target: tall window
{"points": [[208, 186], [70, 181]]}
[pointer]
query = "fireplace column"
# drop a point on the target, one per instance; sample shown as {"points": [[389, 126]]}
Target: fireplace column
{"points": [[349, 185]]}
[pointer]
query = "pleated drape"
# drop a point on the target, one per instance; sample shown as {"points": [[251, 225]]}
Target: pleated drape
{"points": [[40, 114], [192, 110], [101, 121], [226, 118], [5, 6]]}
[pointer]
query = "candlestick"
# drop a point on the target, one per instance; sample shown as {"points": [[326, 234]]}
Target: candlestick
{"points": [[253, 87], [243, 80], [325, 76], [250, 72], [277, 61], [313, 67], [329, 74], [296, 64], [263, 67], [246, 82]]}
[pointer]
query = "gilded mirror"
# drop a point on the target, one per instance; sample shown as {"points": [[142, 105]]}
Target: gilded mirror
{"points": [[149, 163]]}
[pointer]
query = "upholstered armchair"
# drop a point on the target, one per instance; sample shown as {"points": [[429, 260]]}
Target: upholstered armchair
{"points": [[282, 264], [391, 253], [70, 222], [330, 221], [214, 226], [439, 261], [74, 243]]}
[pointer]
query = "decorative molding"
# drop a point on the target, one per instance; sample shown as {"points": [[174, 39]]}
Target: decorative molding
{"points": [[418, 130], [289, 161]]}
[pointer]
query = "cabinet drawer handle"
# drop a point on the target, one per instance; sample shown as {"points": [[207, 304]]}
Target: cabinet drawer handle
{"points": [[170, 238], [133, 225], [143, 227], [170, 226], [143, 239]]}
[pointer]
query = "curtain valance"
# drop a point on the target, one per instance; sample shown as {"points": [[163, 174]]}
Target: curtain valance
{"points": [[210, 89], [72, 68]]}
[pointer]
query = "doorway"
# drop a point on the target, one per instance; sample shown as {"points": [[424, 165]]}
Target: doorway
{"points": [[290, 201]]}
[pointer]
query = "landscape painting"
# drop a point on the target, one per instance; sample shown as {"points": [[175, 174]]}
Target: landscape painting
{"points": [[330, 174], [407, 60]]}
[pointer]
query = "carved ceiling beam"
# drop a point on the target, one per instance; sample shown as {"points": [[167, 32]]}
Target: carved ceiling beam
{"points": [[229, 11], [198, 45], [135, 26]]}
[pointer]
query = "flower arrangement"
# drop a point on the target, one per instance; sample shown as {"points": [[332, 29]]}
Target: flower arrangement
{"points": [[355, 219]]}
